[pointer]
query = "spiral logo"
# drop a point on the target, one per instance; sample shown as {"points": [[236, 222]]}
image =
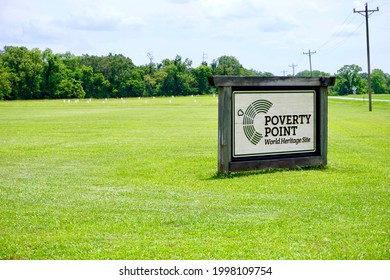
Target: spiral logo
{"points": [[257, 107]]}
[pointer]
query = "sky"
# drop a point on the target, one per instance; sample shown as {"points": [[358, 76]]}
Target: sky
{"points": [[264, 35]]}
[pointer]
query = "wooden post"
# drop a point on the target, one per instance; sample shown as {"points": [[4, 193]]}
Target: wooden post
{"points": [[323, 124], [224, 135]]}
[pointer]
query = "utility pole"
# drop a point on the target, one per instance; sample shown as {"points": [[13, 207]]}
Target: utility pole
{"points": [[367, 13], [150, 56], [309, 54], [293, 67], [204, 57], [284, 72]]}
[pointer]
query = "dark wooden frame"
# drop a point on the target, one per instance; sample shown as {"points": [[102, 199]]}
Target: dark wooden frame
{"points": [[227, 84]]}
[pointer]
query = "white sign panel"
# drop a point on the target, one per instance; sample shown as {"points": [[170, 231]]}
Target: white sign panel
{"points": [[273, 122]]}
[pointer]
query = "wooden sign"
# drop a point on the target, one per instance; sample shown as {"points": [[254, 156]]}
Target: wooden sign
{"points": [[271, 122]]}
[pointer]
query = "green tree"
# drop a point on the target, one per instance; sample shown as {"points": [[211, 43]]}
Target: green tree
{"points": [[54, 71], [101, 86], [25, 68], [201, 75], [315, 73], [86, 76], [387, 76], [136, 84], [248, 72], [5, 82], [226, 65], [150, 85], [348, 77], [117, 69], [70, 88], [70, 61], [174, 78], [379, 82], [168, 79], [187, 83]]}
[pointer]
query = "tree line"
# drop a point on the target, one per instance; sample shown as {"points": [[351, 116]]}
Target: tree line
{"points": [[351, 76], [36, 74]]}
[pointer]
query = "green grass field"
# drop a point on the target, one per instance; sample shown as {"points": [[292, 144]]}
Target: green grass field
{"points": [[138, 181]]}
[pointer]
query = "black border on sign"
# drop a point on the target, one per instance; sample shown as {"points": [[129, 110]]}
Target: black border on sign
{"points": [[291, 157], [287, 152]]}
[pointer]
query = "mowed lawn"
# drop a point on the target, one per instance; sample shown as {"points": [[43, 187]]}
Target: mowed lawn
{"points": [[137, 180]]}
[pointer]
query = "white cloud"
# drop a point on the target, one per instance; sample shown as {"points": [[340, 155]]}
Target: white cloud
{"points": [[220, 8], [102, 20], [278, 24], [270, 31], [180, 1]]}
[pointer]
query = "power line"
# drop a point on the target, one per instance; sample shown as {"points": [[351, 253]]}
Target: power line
{"points": [[204, 57], [339, 43], [339, 30], [367, 13]]}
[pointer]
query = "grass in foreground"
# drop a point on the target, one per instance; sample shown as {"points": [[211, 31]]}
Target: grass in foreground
{"points": [[138, 181]]}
